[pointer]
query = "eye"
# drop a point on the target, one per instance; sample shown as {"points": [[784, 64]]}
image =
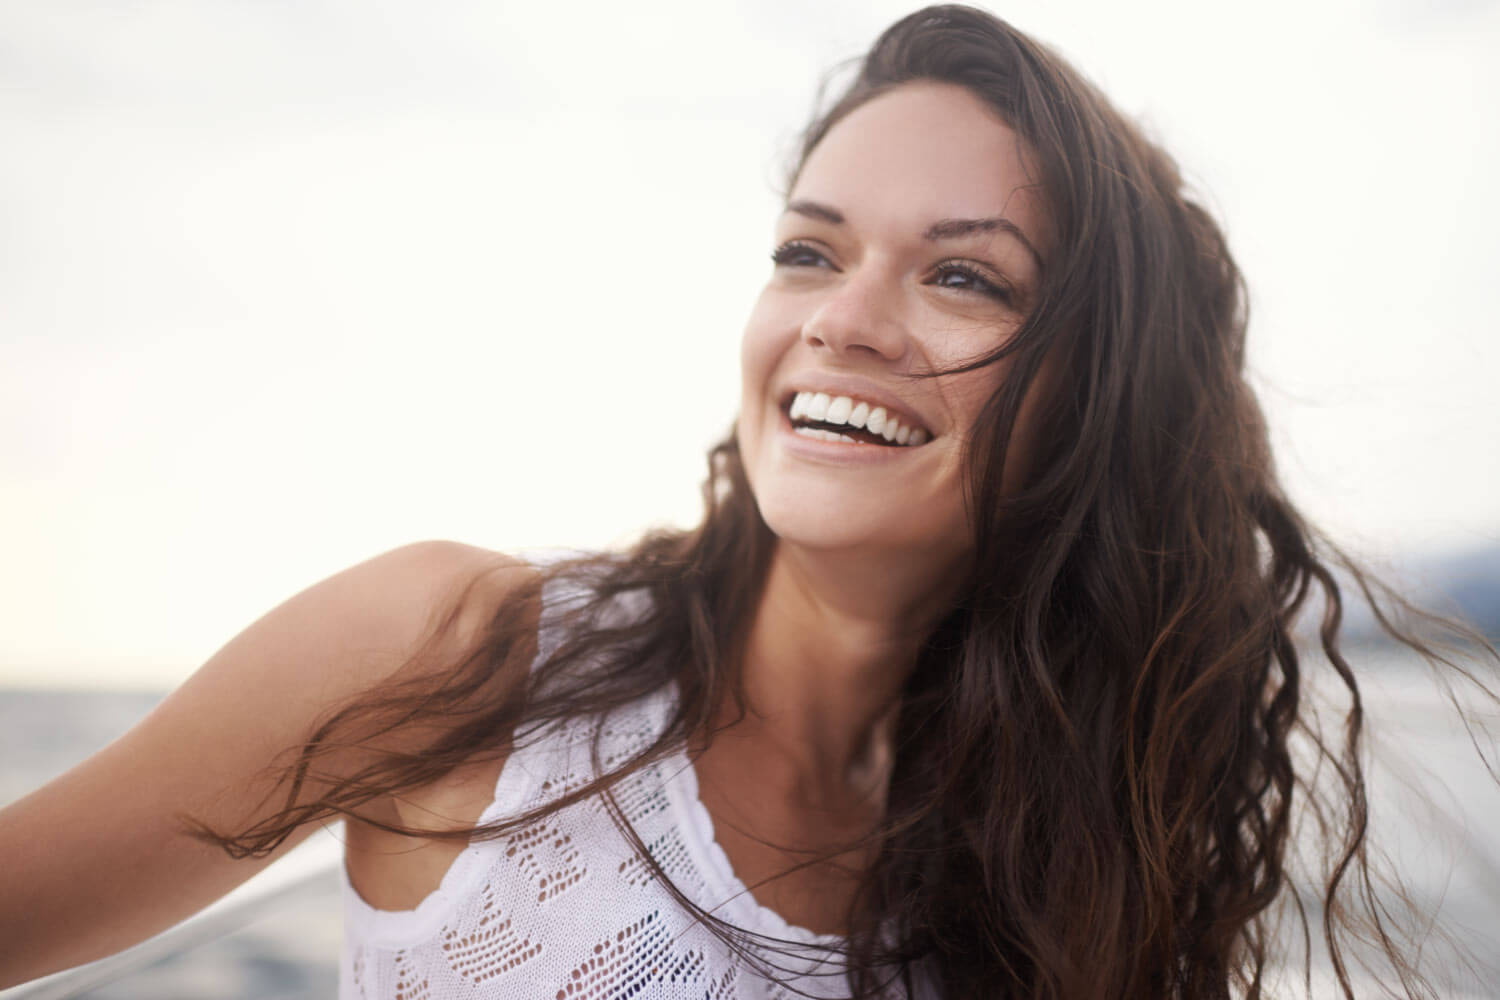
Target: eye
{"points": [[965, 276], [798, 253]]}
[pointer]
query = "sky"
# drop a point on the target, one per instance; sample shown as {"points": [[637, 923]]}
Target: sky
{"points": [[285, 285]]}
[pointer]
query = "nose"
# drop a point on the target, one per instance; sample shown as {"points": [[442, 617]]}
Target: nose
{"points": [[859, 316]]}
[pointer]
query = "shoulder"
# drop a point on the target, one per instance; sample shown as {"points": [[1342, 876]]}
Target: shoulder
{"points": [[333, 642], [397, 591], [373, 615]]}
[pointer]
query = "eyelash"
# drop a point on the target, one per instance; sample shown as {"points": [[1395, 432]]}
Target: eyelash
{"points": [[783, 255], [786, 256], [985, 284]]}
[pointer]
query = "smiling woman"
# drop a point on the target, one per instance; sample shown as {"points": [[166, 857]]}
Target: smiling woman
{"points": [[977, 678], [903, 253]]}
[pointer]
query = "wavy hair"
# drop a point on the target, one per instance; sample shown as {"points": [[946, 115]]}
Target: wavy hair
{"points": [[1095, 779]]}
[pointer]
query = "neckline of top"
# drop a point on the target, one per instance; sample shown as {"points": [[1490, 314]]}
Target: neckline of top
{"points": [[682, 787]]}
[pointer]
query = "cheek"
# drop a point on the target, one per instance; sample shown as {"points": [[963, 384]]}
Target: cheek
{"points": [[757, 361], [965, 396], [765, 340]]}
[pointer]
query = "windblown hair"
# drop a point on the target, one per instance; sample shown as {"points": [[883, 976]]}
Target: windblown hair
{"points": [[1094, 785]]}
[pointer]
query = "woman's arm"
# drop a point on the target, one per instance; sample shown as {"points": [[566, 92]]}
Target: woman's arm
{"points": [[99, 859]]}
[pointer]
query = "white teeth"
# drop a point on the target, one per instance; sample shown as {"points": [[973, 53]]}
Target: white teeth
{"points": [[820, 434], [823, 408]]}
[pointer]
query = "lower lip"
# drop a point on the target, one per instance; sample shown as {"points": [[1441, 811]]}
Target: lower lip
{"points": [[840, 452]]}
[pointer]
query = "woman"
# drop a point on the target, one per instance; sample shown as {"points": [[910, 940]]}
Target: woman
{"points": [[977, 678]]}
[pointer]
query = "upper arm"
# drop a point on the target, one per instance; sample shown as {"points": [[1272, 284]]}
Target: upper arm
{"points": [[100, 858]]}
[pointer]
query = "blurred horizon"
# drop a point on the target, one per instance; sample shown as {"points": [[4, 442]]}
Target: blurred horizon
{"points": [[284, 286]]}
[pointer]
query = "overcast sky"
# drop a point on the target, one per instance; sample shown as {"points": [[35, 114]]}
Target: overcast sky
{"points": [[283, 285]]}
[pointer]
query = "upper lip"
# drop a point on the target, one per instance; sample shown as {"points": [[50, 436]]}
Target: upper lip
{"points": [[857, 389]]}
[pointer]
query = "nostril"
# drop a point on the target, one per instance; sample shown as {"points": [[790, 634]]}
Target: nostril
{"points": [[844, 325]]}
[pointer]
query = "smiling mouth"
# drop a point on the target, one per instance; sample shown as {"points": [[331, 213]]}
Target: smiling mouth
{"points": [[843, 418]]}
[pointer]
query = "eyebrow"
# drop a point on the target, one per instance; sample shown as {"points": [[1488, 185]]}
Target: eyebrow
{"points": [[943, 229], [816, 210]]}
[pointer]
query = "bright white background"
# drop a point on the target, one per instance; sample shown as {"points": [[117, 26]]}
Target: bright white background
{"points": [[283, 284]]}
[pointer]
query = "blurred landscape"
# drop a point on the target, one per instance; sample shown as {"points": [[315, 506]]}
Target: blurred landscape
{"points": [[1463, 585], [1471, 582]]}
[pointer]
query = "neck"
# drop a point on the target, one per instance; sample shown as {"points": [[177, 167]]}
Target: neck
{"points": [[834, 638]]}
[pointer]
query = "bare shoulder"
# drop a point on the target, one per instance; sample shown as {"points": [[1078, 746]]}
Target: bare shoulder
{"points": [[426, 605], [394, 597], [348, 633], [354, 627]]}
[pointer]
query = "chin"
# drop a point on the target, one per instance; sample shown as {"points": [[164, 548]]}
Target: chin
{"points": [[816, 533], [804, 519], [880, 508]]}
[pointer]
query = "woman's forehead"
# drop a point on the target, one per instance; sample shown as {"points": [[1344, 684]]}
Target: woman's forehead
{"points": [[920, 153]]}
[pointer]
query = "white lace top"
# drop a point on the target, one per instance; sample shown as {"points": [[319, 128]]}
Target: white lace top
{"points": [[567, 908]]}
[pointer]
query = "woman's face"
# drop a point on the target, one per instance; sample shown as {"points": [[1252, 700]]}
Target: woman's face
{"points": [[911, 242]]}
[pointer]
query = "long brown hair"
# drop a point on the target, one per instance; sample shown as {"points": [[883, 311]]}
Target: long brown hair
{"points": [[1095, 780]]}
